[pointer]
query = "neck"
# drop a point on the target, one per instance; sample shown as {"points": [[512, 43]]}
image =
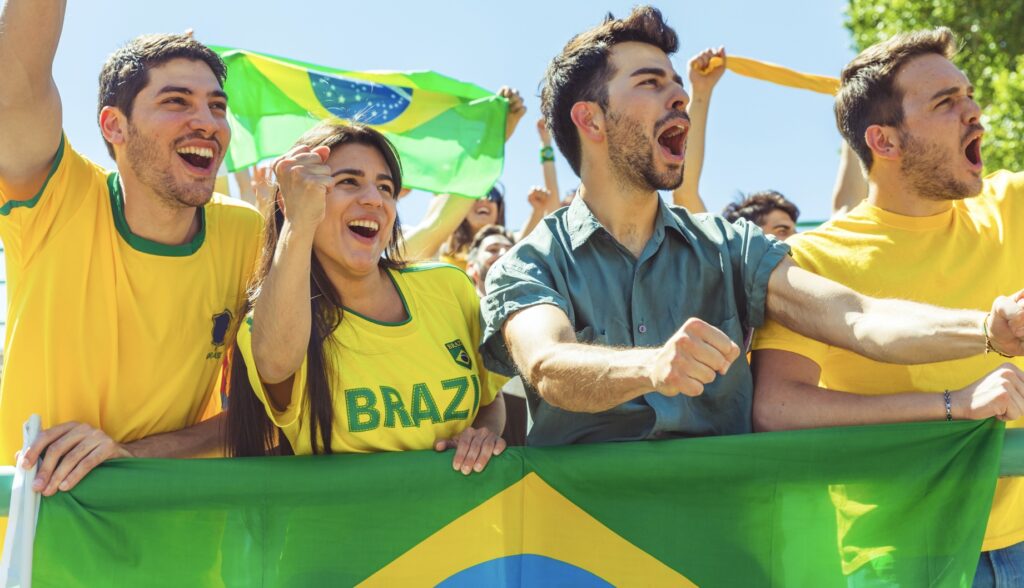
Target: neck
{"points": [[626, 211], [372, 294], [891, 192], [151, 217]]}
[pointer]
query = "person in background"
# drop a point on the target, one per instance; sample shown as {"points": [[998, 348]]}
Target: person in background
{"points": [[347, 348], [932, 229], [767, 209], [489, 244]]}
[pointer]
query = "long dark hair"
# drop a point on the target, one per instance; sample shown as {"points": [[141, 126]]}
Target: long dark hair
{"points": [[250, 432], [462, 237]]}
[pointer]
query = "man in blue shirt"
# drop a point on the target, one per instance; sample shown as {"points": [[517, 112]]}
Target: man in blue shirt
{"points": [[626, 317]]}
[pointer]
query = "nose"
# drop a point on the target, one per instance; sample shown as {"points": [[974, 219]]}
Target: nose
{"points": [[679, 98], [972, 112], [203, 119], [372, 196]]}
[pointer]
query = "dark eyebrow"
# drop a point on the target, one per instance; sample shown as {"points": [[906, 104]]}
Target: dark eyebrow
{"points": [[350, 172], [950, 92], [386, 177], [188, 91], [656, 71]]}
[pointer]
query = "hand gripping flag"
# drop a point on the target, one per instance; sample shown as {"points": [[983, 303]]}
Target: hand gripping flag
{"points": [[449, 134]]}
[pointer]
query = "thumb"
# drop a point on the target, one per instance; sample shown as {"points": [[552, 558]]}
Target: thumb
{"points": [[323, 151], [444, 444]]}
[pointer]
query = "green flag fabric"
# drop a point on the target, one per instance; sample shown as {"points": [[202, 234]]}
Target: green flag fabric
{"points": [[450, 134], [901, 505]]}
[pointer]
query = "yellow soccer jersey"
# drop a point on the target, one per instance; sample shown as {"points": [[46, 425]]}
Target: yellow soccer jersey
{"points": [[962, 258], [396, 386], [108, 328]]}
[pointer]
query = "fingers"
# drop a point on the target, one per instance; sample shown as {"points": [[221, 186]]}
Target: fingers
{"points": [[55, 452], [1011, 310], [474, 448], [71, 461], [708, 344], [43, 440]]}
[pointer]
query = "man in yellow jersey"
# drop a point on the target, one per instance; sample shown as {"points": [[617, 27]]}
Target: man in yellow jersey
{"points": [[932, 230], [124, 287]]}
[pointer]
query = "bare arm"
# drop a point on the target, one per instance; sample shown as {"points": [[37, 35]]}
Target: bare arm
{"points": [[787, 396], [75, 449], [445, 214], [540, 203], [548, 165], [702, 83], [893, 331], [281, 315], [592, 378], [851, 185], [30, 109]]}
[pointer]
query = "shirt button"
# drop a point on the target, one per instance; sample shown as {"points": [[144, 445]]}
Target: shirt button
{"points": [[642, 329]]}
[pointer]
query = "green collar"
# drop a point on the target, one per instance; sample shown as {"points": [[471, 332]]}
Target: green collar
{"points": [[141, 243]]}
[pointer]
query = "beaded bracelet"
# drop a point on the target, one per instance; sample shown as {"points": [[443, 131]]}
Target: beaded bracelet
{"points": [[949, 405]]}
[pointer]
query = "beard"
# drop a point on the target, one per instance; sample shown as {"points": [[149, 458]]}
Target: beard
{"points": [[927, 170], [146, 160], [632, 156]]}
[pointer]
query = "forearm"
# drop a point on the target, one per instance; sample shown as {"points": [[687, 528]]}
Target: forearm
{"points": [[590, 378], [424, 240], [786, 405], [281, 315], [492, 416], [205, 439], [531, 223], [688, 193], [245, 189], [551, 185], [851, 185], [893, 331]]}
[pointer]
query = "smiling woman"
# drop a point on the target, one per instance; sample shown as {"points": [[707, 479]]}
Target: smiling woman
{"points": [[401, 371]]}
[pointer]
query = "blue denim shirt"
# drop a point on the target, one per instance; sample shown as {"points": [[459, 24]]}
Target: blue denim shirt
{"points": [[693, 266]]}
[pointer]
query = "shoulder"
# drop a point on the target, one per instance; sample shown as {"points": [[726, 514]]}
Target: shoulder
{"points": [[1003, 185], [233, 215], [434, 275]]}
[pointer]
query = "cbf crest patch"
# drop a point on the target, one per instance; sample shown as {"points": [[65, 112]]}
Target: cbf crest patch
{"points": [[459, 354], [221, 322]]}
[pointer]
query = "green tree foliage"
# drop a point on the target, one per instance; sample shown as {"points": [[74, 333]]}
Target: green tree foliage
{"points": [[991, 35]]}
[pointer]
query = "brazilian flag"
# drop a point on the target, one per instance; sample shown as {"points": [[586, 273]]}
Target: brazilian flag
{"points": [[449, 134], [900, 505]]}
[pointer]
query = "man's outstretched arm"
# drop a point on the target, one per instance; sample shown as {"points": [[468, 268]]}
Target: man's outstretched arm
{"points": [[74, 449], [30, 109], [787, 396], [591, 378], [893, 331]]}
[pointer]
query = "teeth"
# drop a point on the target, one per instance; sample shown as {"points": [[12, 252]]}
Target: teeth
{"points": [[200, 151], [369, 224]]}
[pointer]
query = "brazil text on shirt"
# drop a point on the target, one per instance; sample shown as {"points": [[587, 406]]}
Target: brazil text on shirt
{"points": [[365, 406]]}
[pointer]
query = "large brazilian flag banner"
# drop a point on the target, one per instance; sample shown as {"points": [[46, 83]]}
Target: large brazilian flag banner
{"points": [[449, 134], [902, 505]]}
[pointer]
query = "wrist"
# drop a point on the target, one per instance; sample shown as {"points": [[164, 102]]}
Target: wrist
{"points": [[547, 153], [959, 401]]}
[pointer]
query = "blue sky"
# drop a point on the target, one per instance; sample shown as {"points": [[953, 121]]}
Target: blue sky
{"points": [[760, 135]]}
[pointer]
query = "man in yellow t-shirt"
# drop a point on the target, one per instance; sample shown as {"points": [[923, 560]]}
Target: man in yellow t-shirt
{"points": [[124, 288], [932, 230]]}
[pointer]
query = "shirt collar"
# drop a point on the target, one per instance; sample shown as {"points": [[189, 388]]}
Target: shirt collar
{"points": [[583, 224]]}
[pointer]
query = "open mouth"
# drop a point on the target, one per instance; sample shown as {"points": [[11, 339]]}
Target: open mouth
{"points": [[366, 229], [673, 141], [197, 157], [973, 152], [483, 210]]}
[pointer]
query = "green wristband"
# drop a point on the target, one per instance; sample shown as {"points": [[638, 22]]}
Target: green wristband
{"points": [[547, 154]]}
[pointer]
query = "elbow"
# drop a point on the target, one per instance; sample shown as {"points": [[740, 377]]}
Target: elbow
{"points": [[272, 365], [769, 410]]}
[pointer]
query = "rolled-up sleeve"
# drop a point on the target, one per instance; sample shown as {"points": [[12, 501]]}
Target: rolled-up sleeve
{"points": [[521, 279], [754, 257]]}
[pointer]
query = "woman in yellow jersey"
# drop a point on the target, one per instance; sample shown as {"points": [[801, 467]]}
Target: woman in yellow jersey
{"points": [[347, 349], [485, 211]]}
